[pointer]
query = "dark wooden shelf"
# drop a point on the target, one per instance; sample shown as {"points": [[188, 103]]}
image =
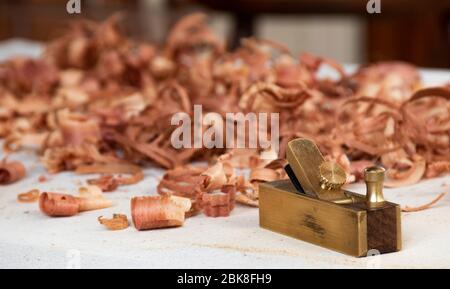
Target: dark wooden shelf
{"points": [[416, 31]]}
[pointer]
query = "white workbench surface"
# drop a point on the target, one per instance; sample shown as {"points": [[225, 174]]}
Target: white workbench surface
{"points": [[29, 239]]}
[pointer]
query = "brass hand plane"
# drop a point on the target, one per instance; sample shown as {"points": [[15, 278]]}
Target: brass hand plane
{"points": [[312, 206]]}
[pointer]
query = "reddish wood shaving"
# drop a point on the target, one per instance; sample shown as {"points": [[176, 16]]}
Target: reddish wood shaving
{"points": [[29, 197], [109, 182], [65, 205], [159, 211], [106, 182], [428, 205], [219, 203], [58, 205], [118, 222], [92, 198], [11, 172]]}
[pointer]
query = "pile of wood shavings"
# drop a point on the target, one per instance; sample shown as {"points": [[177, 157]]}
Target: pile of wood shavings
{"points": [[100, 102]]}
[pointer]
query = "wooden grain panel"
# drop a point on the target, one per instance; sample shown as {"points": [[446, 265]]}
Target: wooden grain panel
{"points": [[5, 26], [383, 233], [383, 227], [47, 19], [422, 39]]}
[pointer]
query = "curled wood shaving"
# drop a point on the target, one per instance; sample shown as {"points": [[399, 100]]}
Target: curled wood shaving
{"points": [[92, 198], [109, 182], [77, 129], [215, 177], [203, 186], [243, 158], [65, 205], [249, 189], [219, 203], [58, 205], [11, 172], [408, 176], [247, 200], [428, 205], [18, 140], [155, 212], [118, 222], [220, 181], [29, 197], [438, 168], [70, 157]]}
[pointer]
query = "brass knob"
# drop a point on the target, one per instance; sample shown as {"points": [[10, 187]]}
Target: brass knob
{"points": [[374, 178], [332, 176]]}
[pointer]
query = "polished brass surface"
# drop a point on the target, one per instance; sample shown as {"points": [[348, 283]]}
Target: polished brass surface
{"points": [[332, 176], [374, 178], [305, 159], [347, 200], [399, 228]]}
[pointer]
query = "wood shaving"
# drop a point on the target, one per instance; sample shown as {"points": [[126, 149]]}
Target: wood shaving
{"points": [[58, 205], [428, 205], [155, 212], [92, 198], [42, 179], [65, 205], [118, 222], [11, 172], [109, 182], [219, 203], [29, 197]]}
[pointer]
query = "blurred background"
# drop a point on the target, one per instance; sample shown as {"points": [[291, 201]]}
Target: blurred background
{"points": [[417, 31]]}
